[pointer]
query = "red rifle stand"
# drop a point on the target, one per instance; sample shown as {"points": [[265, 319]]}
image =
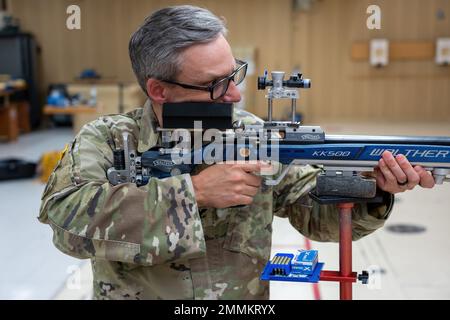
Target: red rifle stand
{"points": [[345, 276]]}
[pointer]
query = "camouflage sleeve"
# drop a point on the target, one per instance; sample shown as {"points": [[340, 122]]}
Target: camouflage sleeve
{"points": [[147, 225], [321, 222]]}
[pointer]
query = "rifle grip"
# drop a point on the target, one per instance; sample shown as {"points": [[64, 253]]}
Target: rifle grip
{"points": [[346, 186]]}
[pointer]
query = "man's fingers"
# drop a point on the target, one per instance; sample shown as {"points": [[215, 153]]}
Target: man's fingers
{"points": [[246, 190], [251, 166], [412, 176], [381, 181], [388, 175], [242, 200], [426, 179], [252, 180], [394, 167]]}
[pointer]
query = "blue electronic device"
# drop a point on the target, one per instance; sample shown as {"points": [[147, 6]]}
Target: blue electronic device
{"points": [[301, 267]]}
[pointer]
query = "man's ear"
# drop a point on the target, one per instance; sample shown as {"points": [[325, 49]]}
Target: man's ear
{"points": [[156, 91]]}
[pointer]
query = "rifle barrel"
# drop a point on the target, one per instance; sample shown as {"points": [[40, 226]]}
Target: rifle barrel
{"points": [[411, 140]]}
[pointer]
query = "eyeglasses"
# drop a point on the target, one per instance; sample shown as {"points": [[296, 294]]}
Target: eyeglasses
{"points": [[220, 86]]}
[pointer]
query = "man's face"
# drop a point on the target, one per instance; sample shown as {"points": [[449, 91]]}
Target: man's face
{"points": [[201, 65]]}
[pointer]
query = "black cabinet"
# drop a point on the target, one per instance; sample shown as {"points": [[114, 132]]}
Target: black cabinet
{"points": [[18, 58]]}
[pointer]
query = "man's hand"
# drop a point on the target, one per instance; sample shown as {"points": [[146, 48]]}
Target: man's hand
{"points": [[227, 185], [395, 174]]}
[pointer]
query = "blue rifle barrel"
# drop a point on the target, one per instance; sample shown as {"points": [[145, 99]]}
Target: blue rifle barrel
{"points": [[409, 140], [365, 149], [339, 150], [420, 150]]}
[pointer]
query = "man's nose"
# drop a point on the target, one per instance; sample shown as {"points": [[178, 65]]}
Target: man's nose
{"points": [[233, 93]]}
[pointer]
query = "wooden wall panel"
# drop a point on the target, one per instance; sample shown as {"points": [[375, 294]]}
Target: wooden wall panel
{"points": [[345, 89], [317, 42], [106, 26]]}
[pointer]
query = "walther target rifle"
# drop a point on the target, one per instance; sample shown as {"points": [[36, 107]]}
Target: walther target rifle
{"points": [[344, 158]]}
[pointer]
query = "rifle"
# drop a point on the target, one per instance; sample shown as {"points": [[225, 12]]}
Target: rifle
{"points": [[343, 158]]}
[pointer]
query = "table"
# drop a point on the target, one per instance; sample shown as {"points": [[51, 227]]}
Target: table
{"points": [[74, 110], [70, 110]]}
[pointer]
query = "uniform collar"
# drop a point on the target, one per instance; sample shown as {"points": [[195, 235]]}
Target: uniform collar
{"points": [[148, 136]]}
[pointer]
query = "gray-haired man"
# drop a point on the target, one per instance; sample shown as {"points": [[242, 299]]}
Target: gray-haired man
{"points": [[179, 238]]}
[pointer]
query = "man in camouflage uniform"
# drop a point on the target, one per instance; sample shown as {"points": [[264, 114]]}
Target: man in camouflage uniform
{"points": [[183, 237]]}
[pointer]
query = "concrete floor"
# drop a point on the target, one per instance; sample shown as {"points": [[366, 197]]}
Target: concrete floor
{"points": [[31, 267], [407, 266]]}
